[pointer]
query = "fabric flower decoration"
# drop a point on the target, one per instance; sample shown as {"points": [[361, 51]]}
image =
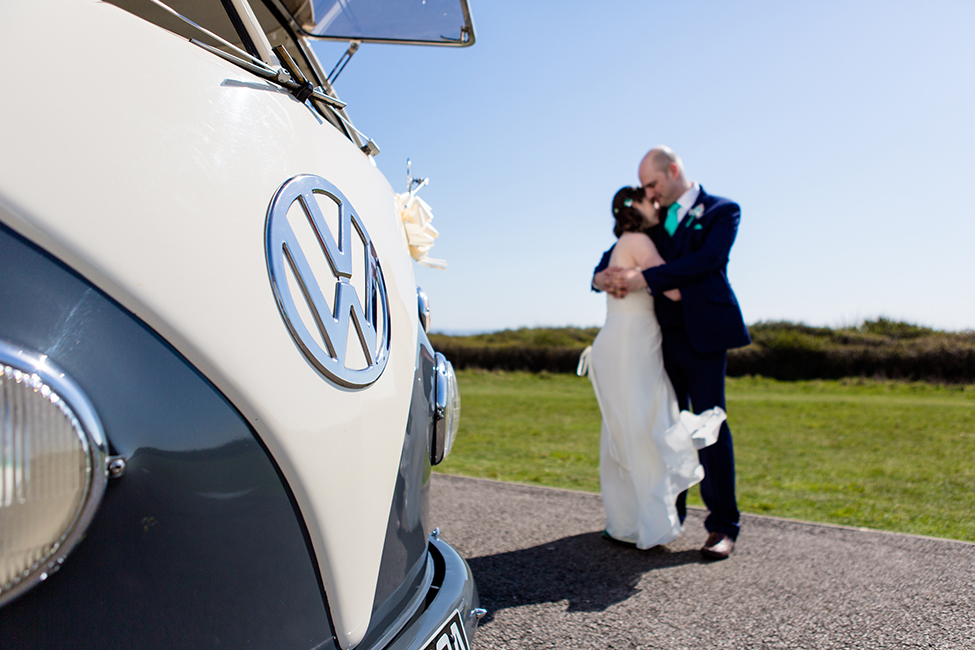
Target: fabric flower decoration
{"points": [[415, 216], [697, 211]]}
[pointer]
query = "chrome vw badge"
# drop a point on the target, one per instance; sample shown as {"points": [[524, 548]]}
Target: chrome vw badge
{"points": [[305, 258]]}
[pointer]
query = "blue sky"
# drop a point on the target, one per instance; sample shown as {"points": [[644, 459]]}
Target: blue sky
{"points": [[845, 130]]}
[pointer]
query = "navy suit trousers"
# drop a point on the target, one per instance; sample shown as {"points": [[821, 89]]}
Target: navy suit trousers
{"points": [[698, 380]]}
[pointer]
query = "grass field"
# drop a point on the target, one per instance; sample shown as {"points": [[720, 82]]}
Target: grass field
{"points": [[885, 455]]}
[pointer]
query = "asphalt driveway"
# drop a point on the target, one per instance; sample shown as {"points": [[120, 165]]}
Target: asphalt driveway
{"points": [[549, 580]]}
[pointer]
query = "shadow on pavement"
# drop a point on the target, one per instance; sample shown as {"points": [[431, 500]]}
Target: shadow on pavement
{"points": [[592, 573]]}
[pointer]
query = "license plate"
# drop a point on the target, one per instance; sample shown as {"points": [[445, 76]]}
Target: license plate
{"points": [[450, 636]]}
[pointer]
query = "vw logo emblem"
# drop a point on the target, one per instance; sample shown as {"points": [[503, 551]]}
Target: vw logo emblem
{"points": [[306, 259]]}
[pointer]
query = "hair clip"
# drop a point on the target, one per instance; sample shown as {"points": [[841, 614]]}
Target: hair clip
{"points": [[616, 211], [628, 203]]}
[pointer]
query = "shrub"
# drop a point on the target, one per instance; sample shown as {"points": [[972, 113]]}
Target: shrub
{"points": [[880, 348]]}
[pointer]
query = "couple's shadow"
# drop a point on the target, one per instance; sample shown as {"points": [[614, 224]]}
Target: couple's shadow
{"points": [[588, 570]]}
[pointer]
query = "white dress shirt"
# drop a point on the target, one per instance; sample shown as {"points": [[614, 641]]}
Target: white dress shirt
{"points": [[686, 201]]}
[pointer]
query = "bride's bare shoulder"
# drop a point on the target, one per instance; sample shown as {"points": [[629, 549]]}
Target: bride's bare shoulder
{"points": [[639, 250], [635, 241]]}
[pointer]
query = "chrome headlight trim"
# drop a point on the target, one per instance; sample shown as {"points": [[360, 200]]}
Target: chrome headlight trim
{"points": [[446, 417], [36, 371], [423, 307]]}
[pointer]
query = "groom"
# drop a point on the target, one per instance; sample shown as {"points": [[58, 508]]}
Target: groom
{"points": [[695, 235]]}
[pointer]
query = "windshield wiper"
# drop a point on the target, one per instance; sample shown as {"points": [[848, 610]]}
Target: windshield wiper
{"points": [[289, 78], [286, 78]]}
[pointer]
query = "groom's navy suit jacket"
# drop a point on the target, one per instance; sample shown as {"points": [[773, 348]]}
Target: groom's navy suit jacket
{"points": [[697, 264]]}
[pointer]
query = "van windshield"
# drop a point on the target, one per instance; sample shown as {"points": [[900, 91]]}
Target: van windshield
{"points": [[428, 22]]}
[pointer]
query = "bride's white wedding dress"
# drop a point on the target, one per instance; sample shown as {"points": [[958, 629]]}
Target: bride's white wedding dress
{"points": [[648, 447]]}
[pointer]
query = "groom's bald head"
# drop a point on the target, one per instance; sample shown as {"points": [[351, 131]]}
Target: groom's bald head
{"points": [[662, 175], [660, 158]]}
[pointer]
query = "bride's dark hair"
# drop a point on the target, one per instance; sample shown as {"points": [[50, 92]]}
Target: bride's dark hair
{"points": [[628, 218]]}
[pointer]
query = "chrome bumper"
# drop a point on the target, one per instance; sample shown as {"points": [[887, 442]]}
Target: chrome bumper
{"points": [[453, 589]]}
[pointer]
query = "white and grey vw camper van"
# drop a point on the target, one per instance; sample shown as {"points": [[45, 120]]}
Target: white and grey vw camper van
{"points": [[218, 403]]}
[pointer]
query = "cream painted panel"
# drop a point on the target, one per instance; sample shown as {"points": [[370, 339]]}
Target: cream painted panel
{"points": [[150, 171]]}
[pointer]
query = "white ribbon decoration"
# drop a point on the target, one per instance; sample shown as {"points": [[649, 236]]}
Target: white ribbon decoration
{"points": [[416, 216]]}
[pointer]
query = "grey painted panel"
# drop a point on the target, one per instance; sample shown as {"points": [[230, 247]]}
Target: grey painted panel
{"points": [[405, 550], [199, 543]]}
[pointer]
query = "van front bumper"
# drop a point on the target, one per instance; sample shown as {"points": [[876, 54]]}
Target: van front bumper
{"points": [[452, 592]]}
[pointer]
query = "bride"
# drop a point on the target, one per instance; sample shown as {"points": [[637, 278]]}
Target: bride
{"points": [[648, 448]]}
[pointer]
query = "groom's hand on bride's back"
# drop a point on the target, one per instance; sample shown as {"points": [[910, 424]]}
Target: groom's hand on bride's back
{"points": [[616, 281], [633, 280], [603, 280]]}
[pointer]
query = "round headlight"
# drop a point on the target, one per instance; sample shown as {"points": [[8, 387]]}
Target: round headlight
{"points": [[52, 468]]}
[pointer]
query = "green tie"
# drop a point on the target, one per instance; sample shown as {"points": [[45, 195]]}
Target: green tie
{"points": [[670, 225]]}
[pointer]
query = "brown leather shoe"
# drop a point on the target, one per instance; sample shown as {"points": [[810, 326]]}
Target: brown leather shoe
{"points": [[718, 547]]}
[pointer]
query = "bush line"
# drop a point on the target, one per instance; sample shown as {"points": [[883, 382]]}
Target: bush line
{"points": [[881, 348]]}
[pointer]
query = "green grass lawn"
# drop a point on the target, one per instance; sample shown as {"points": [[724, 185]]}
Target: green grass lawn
{"points": [[885, 455]]}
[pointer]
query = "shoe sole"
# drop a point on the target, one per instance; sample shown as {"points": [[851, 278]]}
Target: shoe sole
{"points": [[711, 555]]}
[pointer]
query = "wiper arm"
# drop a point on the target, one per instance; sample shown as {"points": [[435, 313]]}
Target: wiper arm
{"points": [[292, 79], [247, 55], [302, 90]]}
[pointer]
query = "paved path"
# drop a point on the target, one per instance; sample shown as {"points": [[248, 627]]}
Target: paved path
{"points": [[549, 580]]}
